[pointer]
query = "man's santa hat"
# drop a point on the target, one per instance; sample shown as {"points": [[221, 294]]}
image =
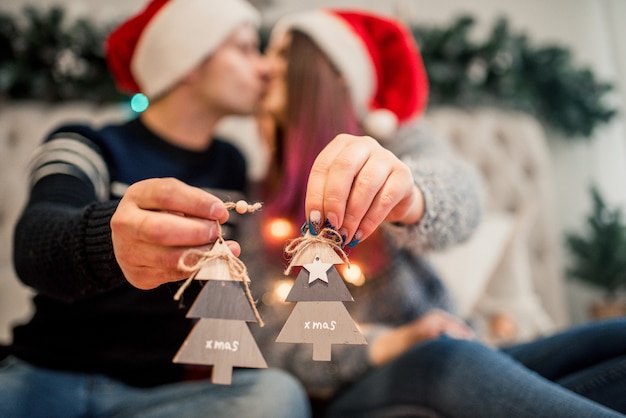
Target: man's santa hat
{"points": [[161, 44], [378, 57]]}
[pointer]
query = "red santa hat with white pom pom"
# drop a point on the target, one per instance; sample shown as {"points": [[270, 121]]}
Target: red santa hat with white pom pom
{"points": [[157, 47], [379, 59]]}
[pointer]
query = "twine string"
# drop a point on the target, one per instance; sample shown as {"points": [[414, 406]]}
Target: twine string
{"points": [[327, 236], [236, 267]]}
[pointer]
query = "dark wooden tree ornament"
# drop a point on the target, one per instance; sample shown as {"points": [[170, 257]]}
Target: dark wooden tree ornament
{"points": [[303, 290], [221, 337], [222, 299], [319, 317]]}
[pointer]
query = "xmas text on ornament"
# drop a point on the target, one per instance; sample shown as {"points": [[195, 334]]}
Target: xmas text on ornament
{"points": [[222, 345], [313, 325]]}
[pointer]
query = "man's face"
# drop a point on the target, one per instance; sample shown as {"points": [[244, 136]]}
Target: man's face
{"points": [[233, 79]]}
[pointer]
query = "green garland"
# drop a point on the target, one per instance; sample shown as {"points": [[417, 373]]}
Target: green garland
{"points": [[45, 58], [506, 70]]}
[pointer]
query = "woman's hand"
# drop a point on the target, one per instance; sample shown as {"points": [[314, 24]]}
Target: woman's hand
{"points": [[356, 184], [155, 222], [433, 324]]}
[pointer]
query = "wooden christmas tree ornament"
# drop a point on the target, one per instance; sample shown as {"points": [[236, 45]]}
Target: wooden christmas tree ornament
{"points": [[221, 337], [319, 317]]}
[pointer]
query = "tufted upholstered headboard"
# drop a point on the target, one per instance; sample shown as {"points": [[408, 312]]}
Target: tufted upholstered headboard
{"points": [[508, 148], [510, 151]]}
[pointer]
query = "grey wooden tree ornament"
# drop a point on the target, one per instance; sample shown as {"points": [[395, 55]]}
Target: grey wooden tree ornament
{"points": [[319, 316], [221, 337]]}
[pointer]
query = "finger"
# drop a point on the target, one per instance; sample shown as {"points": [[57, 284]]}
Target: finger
{"points": [[316, 192], [459, 331], [147, 277], [377, 189], [330, 179], [175, 196], [362, 206], [387, 198], [150, 266], [234, 247], [166, 229]]}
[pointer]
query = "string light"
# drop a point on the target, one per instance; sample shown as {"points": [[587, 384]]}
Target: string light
{"points": [[279, 292], [279, 229], [353, 274], [139, 103]]}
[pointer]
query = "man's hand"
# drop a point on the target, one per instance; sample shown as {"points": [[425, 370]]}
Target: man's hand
{"points": [[155, 222]]}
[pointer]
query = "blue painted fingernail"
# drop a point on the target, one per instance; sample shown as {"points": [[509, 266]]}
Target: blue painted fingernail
{"points": [[355, 239], [353, 243]]}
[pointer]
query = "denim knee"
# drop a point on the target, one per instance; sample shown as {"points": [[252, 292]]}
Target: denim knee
{"points": [[285, 395]]}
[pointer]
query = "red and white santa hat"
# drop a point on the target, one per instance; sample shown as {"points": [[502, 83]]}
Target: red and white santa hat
{"points": [[157, 47], [379, 58]]}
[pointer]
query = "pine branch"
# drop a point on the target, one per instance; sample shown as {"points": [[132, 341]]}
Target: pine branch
{"points": [[600, 254], [48, 58]]}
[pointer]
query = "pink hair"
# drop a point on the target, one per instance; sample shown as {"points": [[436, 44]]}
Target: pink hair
{"points": [[319, 107]]}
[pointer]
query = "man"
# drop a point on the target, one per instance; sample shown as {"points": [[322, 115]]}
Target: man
{"points": [[109, 215]]}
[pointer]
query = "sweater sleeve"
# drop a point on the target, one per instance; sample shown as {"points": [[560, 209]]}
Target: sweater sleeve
{"points": [[452, 188], [62, 240]]}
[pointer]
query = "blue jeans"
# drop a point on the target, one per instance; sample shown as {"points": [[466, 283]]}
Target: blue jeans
{"points": [[28, 391], [570, 374]]}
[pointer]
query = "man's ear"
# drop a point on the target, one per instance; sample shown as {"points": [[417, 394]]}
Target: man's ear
{"points": [[192, 76], [196, 73]]}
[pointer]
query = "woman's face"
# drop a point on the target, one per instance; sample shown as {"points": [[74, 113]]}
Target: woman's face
{"points": [[275, 101]]}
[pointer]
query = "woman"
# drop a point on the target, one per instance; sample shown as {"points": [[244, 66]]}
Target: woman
{"points": [[334, 72]]}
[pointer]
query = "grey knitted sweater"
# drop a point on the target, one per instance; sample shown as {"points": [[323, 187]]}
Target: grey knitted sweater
{"points": [[403, 291]]}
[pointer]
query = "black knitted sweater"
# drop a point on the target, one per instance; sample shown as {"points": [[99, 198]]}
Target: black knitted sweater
{"points": [[87, 317]]}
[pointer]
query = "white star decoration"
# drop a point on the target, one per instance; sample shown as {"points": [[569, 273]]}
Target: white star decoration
{"points": [[317, 270]]}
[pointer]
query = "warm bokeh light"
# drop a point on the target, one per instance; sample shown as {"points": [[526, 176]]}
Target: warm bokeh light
{"points": [[280, 228], [353, 274], [283, 288], [279, 293]]}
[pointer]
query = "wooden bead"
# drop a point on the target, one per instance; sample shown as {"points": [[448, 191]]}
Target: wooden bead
{"points": [[241, 207]]}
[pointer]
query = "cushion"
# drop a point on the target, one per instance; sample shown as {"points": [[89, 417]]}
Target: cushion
{"points": [[466, 268], [489, 278], [510, 295]]}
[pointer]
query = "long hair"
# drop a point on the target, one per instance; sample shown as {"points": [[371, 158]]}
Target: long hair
{"points": [[319, 107]]}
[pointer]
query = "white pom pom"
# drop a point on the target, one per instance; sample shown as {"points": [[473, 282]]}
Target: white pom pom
{"points": [[381, 124]]}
